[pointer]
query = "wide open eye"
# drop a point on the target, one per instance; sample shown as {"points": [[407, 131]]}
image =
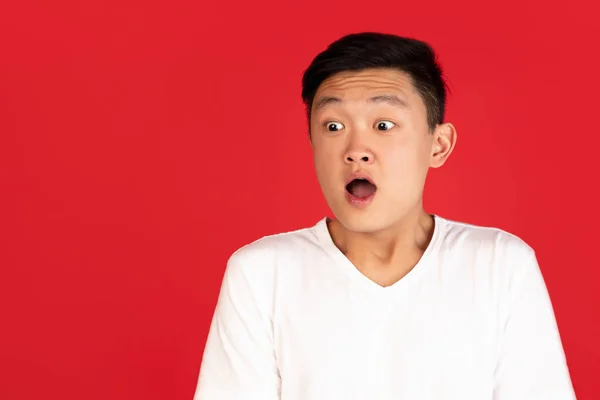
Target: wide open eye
{"points": [[384, 125], [334, 126]]}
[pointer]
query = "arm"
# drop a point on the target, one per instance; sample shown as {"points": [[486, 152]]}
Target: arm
{"points": [[531, 364], [239, 358]]}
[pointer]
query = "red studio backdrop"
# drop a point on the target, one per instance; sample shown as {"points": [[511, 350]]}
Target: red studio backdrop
{"points": [[141, 143]]}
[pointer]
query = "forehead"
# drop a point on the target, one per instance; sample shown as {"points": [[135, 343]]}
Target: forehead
{"points": [[361, 85]]}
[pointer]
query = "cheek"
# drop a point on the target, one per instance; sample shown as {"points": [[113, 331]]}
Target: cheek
{"points": [[326, 163], [406, 163], [400, 155], [320, 157]]}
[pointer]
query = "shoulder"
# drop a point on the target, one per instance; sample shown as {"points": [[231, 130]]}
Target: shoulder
{"points": [[487, 257], [492, 256], [263, 261], [270, 247], [464, 238]]}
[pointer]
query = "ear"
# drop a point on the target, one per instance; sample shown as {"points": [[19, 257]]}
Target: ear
{"points": [[444, 140]]}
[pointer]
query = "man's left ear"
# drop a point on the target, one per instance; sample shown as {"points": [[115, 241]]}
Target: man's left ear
{"points": [[444, 141]]}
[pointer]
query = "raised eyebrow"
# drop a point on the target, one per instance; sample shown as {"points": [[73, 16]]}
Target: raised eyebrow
{"points": [[324, 101], [384, 98], [390, 99]]}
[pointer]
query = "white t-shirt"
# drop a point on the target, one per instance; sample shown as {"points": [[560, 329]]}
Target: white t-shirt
{"points": [[295, 320]]}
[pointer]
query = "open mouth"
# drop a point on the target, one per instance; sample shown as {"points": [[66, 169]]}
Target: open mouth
{"points": [[361, 188]]}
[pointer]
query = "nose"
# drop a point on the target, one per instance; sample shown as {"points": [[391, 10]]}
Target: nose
{"points": [[361, 155]]}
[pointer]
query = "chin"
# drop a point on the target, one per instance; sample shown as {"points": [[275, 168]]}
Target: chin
{"points": [[362, 222]]}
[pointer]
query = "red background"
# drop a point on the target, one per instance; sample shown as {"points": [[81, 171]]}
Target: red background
{"points": [[141, 143]]}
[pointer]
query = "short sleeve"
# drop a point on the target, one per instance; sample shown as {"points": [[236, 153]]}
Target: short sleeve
{"points": [[239, 358], [531, 364]]}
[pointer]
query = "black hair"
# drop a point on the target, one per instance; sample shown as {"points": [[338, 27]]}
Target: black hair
{"points": [[360, 51]]}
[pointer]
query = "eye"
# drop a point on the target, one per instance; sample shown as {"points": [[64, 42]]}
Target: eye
{"points": [[385, 125], [334, 126]]}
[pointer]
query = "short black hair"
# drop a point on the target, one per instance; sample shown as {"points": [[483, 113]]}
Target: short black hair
{"points": [[360, 51]]}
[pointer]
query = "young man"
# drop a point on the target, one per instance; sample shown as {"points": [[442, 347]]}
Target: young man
{"points": [[384, 301]]}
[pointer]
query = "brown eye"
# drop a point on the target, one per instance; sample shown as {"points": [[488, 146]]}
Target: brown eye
{"points": [[385, 125], [334, 126]]}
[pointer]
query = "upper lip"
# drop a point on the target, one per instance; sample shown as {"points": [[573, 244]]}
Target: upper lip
{"points": [[360, 175]]}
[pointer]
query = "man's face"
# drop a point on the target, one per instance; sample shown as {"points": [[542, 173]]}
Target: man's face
{"points": [[373, 124]]}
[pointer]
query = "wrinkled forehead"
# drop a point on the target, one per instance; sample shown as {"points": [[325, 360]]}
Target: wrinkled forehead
{"points": [[383, 86]]}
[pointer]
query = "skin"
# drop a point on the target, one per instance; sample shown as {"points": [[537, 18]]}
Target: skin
{"points": [[391, 141]]}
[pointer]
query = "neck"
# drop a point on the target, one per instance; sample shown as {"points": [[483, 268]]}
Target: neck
{"points": [[399, 246]]}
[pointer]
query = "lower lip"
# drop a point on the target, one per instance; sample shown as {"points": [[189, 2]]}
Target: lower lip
{"points": [[360, 202]]}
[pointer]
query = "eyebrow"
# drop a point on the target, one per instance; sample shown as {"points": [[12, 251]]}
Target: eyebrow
{"points": [[390, 99]]}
